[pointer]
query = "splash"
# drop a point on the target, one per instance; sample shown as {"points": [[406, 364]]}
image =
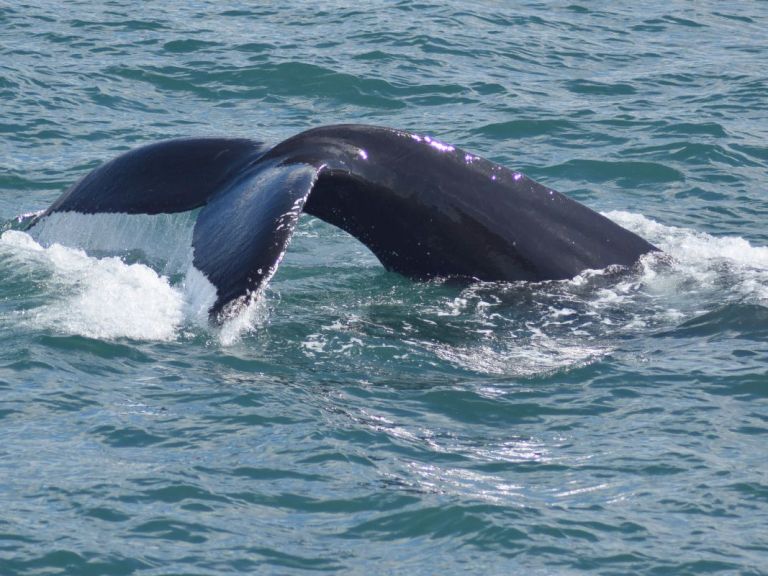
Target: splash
{"points": [[726, 268], [161, 240], [112, 276], [103, 298], [108, 298], [532, 329], [141, 285]]}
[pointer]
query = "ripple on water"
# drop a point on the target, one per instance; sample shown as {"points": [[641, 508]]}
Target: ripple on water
{"points": [[610, 424]]}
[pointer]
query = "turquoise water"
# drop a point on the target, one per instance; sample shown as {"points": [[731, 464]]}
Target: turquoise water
{"points": [[353, 421]]}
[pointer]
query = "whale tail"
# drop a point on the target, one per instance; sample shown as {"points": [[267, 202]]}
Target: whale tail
{"points": [[424, 208]]}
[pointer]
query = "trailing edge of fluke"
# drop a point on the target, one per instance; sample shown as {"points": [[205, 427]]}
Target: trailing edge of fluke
{"points": [[424, 208]]}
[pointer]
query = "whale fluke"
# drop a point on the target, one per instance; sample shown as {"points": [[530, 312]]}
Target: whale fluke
{"points": [[165, 177], [424, 208]]}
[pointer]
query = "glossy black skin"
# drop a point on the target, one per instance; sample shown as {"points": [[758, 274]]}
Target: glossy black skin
{"points": [[241, 235], [426, 209], [423, 208], [166, 177]]}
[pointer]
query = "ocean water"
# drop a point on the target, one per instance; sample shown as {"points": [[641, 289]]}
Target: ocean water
{"points": [[352, 421]]}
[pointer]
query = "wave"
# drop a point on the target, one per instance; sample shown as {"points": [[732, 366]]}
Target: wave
{"points": [[114, 276], [138, 283]]}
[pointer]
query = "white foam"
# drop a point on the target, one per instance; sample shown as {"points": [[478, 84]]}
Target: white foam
{"points": [[540, 355], [727, 265], [101, 298], [526, 329], [555, 325], [136, 281], [249, 316], [14, 241], [690, 245], [107, 298]]}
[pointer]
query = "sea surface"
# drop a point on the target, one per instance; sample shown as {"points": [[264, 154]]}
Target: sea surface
{"points": [[352, 421]]}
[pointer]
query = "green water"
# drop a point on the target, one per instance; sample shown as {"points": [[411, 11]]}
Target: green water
{"points": [[354, 421]]}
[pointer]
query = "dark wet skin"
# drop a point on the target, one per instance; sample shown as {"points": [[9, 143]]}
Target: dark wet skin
{"points": [[425, 209]]}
